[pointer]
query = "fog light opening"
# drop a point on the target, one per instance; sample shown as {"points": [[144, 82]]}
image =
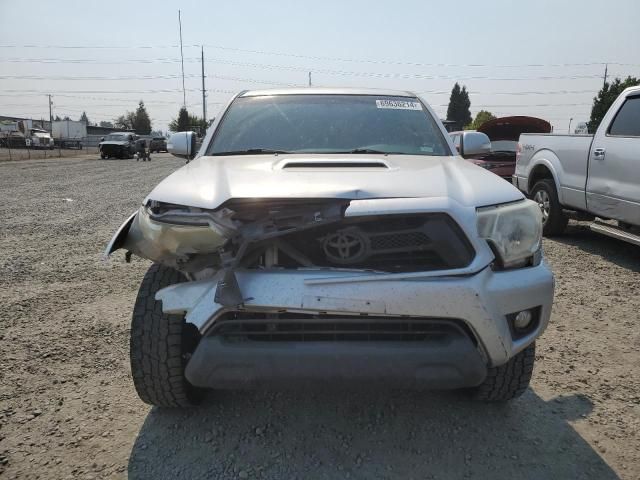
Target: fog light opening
{"points": [[523, 319]]}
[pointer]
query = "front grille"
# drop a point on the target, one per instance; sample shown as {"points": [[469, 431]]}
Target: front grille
{"points": [[399, 240], [391, 243], [112, 149], [244, 326]]}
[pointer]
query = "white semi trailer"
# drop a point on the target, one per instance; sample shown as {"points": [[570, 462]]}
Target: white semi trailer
{"points": [[68, 133]]}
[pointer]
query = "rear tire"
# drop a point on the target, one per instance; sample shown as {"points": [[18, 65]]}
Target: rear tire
{"points": [[554, 221], [161, 345], [507, 381]]}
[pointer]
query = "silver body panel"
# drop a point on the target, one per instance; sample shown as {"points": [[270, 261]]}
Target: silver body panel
{"points": [[399, 185], [597, 174], [482, 300]]}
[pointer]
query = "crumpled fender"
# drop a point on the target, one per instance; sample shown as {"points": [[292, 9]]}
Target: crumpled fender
{"points": [[165, 243], [118, 240]]}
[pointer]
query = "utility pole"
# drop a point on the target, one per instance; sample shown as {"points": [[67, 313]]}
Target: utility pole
{"points": [[204, 92], [605, 75], [309, 78], [184, 92], [50, 114]]}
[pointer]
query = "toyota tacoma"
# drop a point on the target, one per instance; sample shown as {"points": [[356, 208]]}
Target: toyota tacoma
{"points": [[333, 237]]}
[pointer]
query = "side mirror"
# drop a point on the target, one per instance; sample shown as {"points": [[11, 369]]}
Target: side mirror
{"points": [[182, 144], [475, 143]]}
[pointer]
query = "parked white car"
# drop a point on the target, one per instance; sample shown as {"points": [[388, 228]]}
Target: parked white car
{"points": [[588, 176], [330, 236]]}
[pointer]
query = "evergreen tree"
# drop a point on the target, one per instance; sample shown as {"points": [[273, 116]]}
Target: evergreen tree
{"points": [[84, 118], [142, 122], [186, 122], [459, 103], [606, 96]]}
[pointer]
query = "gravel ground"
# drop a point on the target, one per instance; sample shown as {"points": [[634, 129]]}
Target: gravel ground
{"points": [[68, 408]]}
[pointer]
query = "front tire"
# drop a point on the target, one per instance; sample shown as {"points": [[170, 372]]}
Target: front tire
{"points": [[554, 221], [507, 381], [161, 345]]}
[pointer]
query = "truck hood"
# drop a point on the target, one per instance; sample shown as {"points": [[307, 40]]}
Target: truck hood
{"points": [[510, 128], [208, 182]]}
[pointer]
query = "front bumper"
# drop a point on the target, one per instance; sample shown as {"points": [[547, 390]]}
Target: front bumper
{"points": [[441, 363], [481, 301]]}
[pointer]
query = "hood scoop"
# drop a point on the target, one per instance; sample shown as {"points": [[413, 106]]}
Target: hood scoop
{"points": [[334, 164]]}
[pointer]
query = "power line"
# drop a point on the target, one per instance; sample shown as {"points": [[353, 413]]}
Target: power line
{"points": [[424, 92], [305, 69], [92, 78], [315, 57], [394, 75], [163, 91]]}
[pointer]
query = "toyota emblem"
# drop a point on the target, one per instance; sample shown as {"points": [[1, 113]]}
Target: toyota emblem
{"points": [[345, 246]]}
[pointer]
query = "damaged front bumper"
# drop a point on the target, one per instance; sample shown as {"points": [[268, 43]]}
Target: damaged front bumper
{"points": [[481, 303], [297, 315]]}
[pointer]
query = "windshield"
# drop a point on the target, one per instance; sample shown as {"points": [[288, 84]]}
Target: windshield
{"points": [[118, 137], [328, 124], [504, 146]]}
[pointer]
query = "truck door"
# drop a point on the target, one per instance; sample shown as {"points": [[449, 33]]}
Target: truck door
{"points": [[613, 184]]}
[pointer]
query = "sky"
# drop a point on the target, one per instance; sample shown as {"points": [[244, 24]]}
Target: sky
{"points": [[539, 58]]}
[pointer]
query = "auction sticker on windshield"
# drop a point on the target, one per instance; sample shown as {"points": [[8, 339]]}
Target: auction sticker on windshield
{"points": [[399, 104]]}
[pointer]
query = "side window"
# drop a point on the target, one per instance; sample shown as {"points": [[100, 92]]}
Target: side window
{"points": [[627, 121]]}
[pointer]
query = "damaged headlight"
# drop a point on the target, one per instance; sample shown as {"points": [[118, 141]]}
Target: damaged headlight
{"points": [[219, 221], [514, 232], [175, 214]]}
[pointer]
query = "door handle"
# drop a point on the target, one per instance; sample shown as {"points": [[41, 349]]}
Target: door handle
{"points": [[598, 153]]}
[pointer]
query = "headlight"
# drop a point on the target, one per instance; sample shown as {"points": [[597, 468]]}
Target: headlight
{"points": [[175, 214], [514, 232], [219, 221]]}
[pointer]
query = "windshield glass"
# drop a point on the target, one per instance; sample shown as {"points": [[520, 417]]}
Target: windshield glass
{"points": [[118, 137], [504, 146], [329, 124]]}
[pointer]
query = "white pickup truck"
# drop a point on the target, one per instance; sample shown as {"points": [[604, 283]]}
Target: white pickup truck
{"points": [[587, 176]]}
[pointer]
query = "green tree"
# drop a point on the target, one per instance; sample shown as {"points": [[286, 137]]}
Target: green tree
{"points": [[84, 118], [606, 96], [106, 124], [185, 122], [481, 117], [57, 119], [142, 122], [459, 103], [126, 121]]}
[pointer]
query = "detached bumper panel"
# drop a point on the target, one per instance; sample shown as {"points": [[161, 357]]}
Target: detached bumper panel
{"points": [[448, 363]]}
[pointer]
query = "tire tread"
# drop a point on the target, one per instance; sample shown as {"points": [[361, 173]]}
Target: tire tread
{"points": [[510, 380], [157, 365]]}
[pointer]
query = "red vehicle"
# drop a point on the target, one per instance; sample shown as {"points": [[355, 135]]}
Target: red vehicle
{"points": [[503, 134]]}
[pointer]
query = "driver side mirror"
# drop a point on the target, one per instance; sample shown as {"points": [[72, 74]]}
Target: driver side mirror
{"points": [[182, 144]]}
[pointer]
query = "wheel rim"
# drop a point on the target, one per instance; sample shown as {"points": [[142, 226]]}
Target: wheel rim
{"points": [[544, 203]]}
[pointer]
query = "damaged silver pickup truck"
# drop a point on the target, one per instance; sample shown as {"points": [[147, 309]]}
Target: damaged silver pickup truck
{"points": [[327, 237]]}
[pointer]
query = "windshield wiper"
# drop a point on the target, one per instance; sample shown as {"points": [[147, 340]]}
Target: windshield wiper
{"points": [[250, 151], [361, 150]]}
